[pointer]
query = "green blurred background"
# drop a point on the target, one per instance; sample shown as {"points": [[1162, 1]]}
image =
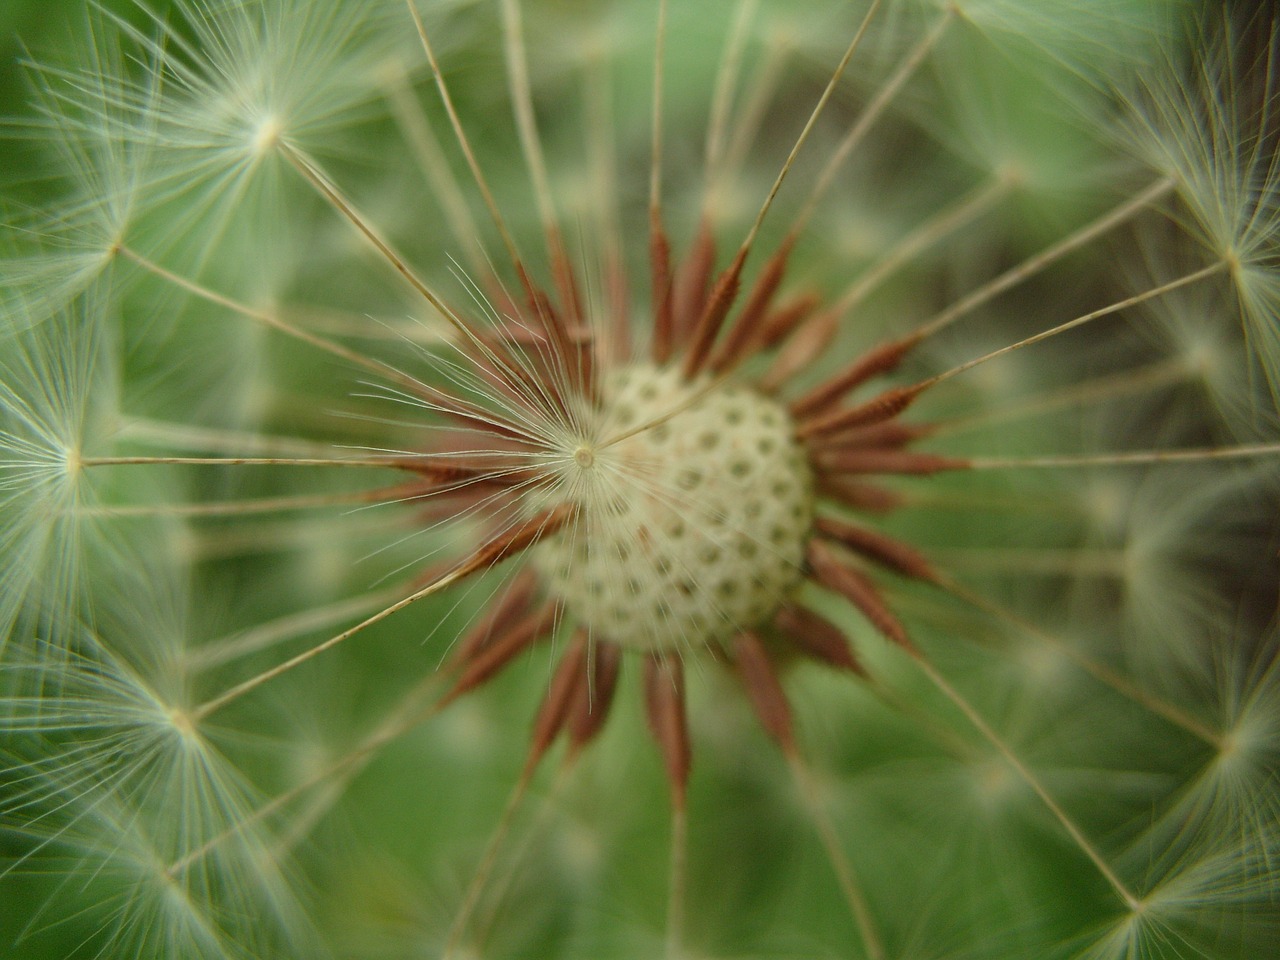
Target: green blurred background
{"points": [[37, 28]]}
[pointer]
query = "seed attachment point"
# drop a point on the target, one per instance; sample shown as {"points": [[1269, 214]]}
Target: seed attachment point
{"points": [[266, 136]]}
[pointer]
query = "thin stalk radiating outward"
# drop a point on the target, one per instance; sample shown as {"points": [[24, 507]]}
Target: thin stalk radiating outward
{"points": [[947, 220], [399, 494], [516, 540], [536, 392], [500, 885], [234, 693], [313, 175], [411, 711], [765, 693], [437, 473], [576, 365], [1158, 291], [1154, 376], [1131, 901], [1034, 264], [722, 100], [484, 869], [1126, 458], [677, 881], [506, 369], [526, 124], [436, 171], [726, 287], [183, 436], [268, 318], [553, 323], [1099, 671], [850, 889], [266, 635], [392, 463], [832, 83], [807, 130], [825, 421], [871, 113], [415, 386]]}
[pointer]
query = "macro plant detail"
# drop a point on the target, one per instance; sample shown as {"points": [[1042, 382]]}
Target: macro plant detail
{"points": [[642, 479]]}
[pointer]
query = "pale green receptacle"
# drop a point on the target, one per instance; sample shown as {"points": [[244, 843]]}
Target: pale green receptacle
{"points": [[1108, 625]]}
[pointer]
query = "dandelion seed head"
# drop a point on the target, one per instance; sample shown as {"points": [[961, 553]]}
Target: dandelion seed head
{"points": [[122, 784], [745, 528], [266, 135], [57, 404], [182, 722], [1105, 33], [1043, 667], [1203, 360], [693, 522], [1242, 769], [994, 784], [1209, 125], [1172, 531], [1207, 359], [1106, 500]]}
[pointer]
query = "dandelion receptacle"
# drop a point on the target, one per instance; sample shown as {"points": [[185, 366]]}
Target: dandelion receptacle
{"points": [[505, 478]]}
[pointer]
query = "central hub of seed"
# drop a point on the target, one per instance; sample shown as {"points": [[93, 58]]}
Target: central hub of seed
{"points": [[693, 525]]}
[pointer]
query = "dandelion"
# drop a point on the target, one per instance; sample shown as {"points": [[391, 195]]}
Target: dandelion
{"points": [[812, 499]]}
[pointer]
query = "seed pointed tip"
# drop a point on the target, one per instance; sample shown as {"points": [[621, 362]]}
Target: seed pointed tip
{"points": [[887, 405], [590, 709], [818, 638], [552, 716], [760, 680], [878, 361], [664, 689], [877, 547], [856, 587], [491, 659]]}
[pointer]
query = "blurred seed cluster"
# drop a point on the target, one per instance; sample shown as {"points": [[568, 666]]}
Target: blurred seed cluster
{"points": [[214, 745]]}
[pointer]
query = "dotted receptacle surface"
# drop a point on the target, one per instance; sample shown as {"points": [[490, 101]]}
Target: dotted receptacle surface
{"points": [[691, 528]]}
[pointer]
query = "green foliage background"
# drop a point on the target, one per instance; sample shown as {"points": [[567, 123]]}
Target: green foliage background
{"points": [[959, 858]]}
